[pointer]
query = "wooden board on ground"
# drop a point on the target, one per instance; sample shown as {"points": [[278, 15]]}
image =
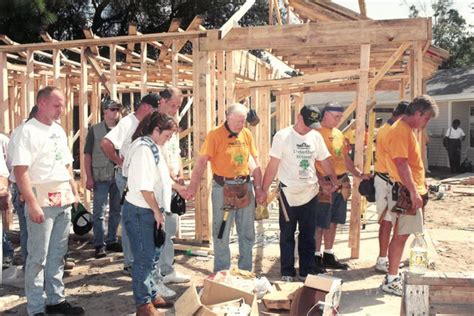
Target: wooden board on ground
{"points": [[465, 191], [460, 178]]}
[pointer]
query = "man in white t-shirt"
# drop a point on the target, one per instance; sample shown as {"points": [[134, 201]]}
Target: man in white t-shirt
{"points": [[292, 159], [455, 136], [6, 252], [42, 166]]}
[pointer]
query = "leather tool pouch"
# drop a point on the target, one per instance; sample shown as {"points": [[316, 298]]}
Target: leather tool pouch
{"points": [[404, 205], [236, 195], [324, 197], [346, 187]]}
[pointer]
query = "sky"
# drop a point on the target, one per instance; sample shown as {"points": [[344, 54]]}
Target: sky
{"points": [[395, 9]]}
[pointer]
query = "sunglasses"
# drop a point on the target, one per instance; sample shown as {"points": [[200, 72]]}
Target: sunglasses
{"points": [[113, 109]]}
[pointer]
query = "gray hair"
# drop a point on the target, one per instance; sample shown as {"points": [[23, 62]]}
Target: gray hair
{"points": [[423, 103], [237, 108]]}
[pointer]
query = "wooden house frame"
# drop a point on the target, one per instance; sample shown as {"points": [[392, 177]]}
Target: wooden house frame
{"points": [[351, 53]]}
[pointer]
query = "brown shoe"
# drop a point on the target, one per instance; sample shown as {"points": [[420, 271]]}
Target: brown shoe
{"points": [[160, 302], [147, 310]]}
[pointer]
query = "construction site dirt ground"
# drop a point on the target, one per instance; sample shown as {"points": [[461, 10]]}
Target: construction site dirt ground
{"points": [[106, 290]]}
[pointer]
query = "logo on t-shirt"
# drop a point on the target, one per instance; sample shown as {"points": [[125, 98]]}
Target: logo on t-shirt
{"points": [[239, 159]]}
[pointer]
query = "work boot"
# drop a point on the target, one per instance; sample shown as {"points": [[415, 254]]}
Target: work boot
{"points": [[114, 247], [64, 308], [330, 261], [100, 252], [160, 302], [318, 265], [147, 310]]}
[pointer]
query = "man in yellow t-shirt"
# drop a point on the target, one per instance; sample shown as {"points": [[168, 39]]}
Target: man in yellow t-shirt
{"points": [[383, 188], [231, 150], [334, 212], [405, 167]]}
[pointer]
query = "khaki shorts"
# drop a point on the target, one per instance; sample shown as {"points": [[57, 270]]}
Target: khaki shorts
{"points": [[383, 192], [407, 224]]}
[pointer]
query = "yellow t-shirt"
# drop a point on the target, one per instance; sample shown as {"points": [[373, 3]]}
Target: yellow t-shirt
{"points": [[402, 143], [336, 144], [229, 157], [380, 151]]}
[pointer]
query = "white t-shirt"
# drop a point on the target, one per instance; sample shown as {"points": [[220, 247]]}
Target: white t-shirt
{"points": [[172, 154], [4, 144], [121, 135], [11, 149], [144, 174], [43, 148], [297, 154], [455, 133], [3, 167]]}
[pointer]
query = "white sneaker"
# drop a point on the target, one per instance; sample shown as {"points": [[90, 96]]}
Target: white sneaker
{"points": [[164, 291], [395, 287], [287, 278], [176, 277], [381, 265]]}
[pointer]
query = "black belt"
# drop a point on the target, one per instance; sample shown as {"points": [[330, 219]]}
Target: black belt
{"points": [[384, 176], [328, 178], [221, 180]]}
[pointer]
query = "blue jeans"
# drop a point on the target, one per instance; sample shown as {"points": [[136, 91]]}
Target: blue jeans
{"points": [[139, 224], [305, 217], [102, 191], [47, 246], [167, 251], [7, 247], [19, 207], [121, 182], [244, 220]]}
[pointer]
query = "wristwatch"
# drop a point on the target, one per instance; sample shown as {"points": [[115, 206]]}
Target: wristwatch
{"points": [[162, 209]]}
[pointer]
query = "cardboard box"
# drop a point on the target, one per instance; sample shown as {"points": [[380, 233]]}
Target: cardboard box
{"points": [[213, 293], [282, 297], [331, 288]]}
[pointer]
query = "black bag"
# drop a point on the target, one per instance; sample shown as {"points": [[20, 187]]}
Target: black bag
{"points": [[446, 142], [252, 117], [159, 235], [178, 204], [367, 189]]}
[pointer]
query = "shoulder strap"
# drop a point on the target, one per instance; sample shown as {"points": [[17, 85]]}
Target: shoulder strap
{"points": [[146, 141]]}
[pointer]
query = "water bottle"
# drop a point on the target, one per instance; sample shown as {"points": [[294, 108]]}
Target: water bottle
{"points": [[194, 252], [418, 255]]}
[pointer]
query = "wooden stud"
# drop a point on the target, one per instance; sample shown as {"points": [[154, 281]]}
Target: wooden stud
{"points": [[143, 68], [220, 62], [362, 94], [229, 78], [174, 64], [30, 80], [113, 71], [4, 128], [83, 121]]}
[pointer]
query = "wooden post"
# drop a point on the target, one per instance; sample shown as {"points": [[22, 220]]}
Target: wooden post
{"points": [[202, 125], [30, 81], [174, 64], [143, 70], [83, 122], [3, 94], [220, 62], [229, 78], [212, 82], [362, 94], [113, 72]]}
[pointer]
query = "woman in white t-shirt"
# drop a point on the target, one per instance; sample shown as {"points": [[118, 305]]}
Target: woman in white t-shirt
{"points": [[455, 137], [149, 195]]}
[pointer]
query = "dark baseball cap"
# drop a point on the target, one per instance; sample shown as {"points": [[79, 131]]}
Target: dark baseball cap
{"points": [[152, 99], [108, 103], [311, 116]]}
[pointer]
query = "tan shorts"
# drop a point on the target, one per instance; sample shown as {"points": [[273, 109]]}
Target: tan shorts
{"points": [[407, 224], [383, 192]]}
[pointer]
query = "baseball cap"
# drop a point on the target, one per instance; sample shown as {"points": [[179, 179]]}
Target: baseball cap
{"points": [[311, 116], [152, 99], [108, 103]]}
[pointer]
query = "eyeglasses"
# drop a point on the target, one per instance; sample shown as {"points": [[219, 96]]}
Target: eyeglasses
{"points": [[113, 109]]}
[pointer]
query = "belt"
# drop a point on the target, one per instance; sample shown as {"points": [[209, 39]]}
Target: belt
{"points": [[221, 180], [328, 178], [384, 176]]}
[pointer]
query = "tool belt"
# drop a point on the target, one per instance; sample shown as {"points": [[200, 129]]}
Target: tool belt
{"points": [[221, 180], [236, 194], [384, 177], [345, 188], [403, 204]]}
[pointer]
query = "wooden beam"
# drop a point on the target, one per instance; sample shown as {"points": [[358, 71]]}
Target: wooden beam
{"points": [[30, 80], [362, 8], [300, 79], [277, 11], [143, 69], [113, 71], [4, 128], [83, 119], [235, 18], [97, 69], [229, 78], [220, 63], [298, 36], [362, 95], [103, 41]]}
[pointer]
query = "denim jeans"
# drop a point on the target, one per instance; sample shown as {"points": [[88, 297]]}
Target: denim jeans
{"points": [[7, 247], [139, 224], [305, 217], [47, 245], [167, 252], [102, 191], [121, 182], [19, 207], [244, 221]]}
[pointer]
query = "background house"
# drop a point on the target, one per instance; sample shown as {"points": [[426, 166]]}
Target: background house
{"points": [[453, 89]]}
